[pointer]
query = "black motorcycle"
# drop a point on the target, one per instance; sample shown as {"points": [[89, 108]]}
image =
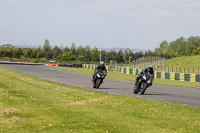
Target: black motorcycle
{"points": [[99, 80], [143, 83]]}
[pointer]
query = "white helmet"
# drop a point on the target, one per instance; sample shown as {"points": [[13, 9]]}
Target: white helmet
{"points": [[150, 67], [102, 64]]}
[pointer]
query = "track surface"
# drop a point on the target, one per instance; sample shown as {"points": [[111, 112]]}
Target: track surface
{"points": [[183, 95]]}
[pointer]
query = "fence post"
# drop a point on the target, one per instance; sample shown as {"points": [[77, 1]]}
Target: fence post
{"points": [[184, 70], [180, 69]]}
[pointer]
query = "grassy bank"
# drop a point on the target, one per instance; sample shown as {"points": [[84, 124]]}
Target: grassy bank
{"points": [[116, 75], [30, 104], [184, 62]]}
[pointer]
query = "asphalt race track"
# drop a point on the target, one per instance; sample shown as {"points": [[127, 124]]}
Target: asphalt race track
{"points": [[183, 95]]}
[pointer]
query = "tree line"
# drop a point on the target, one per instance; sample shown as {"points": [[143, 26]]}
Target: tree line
{"points": [[67, 54], [180, 47]]}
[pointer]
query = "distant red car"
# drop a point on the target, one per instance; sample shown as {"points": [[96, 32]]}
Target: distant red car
{"points": [[52, 63]]}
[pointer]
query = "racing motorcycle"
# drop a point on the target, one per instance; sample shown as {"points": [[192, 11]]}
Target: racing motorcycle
{"points": [[143, 83], [99, 80]]}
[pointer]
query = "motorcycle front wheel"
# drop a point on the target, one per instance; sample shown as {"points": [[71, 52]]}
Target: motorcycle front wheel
{"points": [[98, 83], [136, 89], [143, 88]]}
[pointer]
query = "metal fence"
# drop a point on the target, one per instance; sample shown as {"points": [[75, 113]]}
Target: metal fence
{"points": [[143, 62], [160, 66], [169, 69], [113, 65], [70, 65]]}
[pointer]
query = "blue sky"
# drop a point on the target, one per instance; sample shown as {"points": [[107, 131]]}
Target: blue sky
{"points": [[137, 24]]}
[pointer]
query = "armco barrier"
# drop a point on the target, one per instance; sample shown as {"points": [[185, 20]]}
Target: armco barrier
{"points": [[192, 78], [172, 76], [131, 71], [160, 75], [167, 75], [69, 65], [197, 77], [177, 76], [92, 66], [20, 63], [163, 75]]}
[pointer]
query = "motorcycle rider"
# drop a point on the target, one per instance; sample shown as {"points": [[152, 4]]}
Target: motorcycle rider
{"points": [[99, 68], [150, 70]]}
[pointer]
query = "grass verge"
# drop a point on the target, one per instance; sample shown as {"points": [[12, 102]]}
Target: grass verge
{"points": [[122, 76], [185, 61], [30, 104]]}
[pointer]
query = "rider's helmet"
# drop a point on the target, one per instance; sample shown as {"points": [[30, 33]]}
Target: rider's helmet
{"points": [[102, 64], [150, 67]]}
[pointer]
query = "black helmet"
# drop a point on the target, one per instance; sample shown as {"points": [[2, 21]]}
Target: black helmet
{"points": [[102, 64], [150, 67]]}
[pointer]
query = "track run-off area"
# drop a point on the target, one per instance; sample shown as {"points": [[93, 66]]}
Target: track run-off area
{"points": [[175, 94]]}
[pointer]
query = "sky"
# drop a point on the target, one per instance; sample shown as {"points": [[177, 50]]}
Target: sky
{"points": [[135, 24]]}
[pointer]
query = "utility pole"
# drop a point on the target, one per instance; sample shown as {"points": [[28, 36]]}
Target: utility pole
{"points": [[100, 55], [105, 57], [130, 61]]}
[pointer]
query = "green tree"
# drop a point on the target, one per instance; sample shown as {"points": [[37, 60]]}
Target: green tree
{"points": [[95, 54], [56, 52], [73, 54], [120, 55], [196, 51], [87, 55], [39, 53], [47, 50], [80, 53], [66, 56]]}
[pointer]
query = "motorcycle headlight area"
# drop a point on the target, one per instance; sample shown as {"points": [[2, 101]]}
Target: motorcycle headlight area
{"points": [[98, 75], [144, 77], [149, 81]]}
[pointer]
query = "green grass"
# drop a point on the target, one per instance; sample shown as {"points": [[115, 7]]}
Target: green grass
{"points": [[122, 76], [186, 64], [186, 61], [29, 104]]}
